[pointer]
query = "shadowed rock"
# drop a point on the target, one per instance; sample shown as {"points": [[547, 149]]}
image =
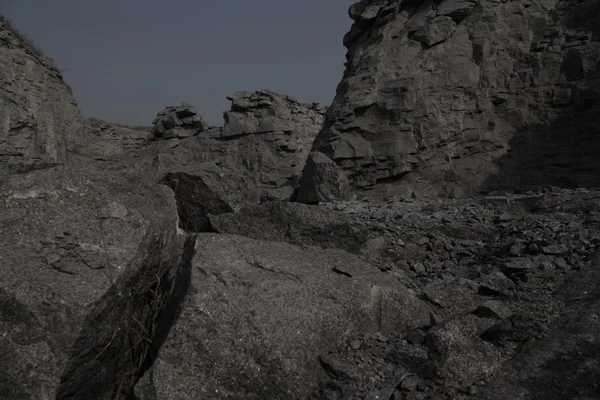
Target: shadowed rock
{"points": [[294, 223], [321, 181], [266, 139], [565, 363], [224, 346], [83, 254], [454, 97], [209, 190]]}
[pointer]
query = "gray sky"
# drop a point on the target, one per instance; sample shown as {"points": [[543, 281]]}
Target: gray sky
{"points": [[127, 59]]}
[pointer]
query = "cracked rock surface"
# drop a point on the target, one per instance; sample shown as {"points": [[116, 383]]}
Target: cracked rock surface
{"points": [[39, 118], [80, 253], [456, 97], [486, 269], [167, 262]]}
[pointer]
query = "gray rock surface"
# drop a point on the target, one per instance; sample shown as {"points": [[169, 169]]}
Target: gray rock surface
{"points": [[454, 97], [266, 138], [80, 251], [322, 180], [565, 363], [102, 293], [208, 191], [104, 141], [39, 117], [304, 303], [294, 223], [178, 122]]}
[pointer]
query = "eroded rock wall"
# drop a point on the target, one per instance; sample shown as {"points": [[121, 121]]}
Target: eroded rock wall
{"points": [[266, 138], [38, 114], [455, 97]]}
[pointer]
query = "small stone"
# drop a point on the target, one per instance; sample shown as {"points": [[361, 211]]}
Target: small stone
{"points": [[403, 265], [493, 309], [381, 337], [496, 284], [533, 248], [516, 249], [561, 263], [423, 241], [355, 344], [419, 268], [53, 259], [555, 249], [409, 383]]}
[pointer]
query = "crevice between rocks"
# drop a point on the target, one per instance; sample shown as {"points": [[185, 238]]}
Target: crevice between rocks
{"points": [[123, 333], [180, 285]]}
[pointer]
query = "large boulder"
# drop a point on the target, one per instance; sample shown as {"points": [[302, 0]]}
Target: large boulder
{"points": [[266, 138], [304, 302], [322, 180], [295, 223], [453, 97], [87, 264], [38, 114], [210, 190]]}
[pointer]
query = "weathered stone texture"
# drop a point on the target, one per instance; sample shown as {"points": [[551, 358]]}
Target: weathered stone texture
{"points": [[322, 180], [266, 137], [457, 96], [38, 114], [80, 251]]}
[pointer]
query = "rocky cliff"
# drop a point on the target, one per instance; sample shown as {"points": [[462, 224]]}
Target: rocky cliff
{"points": [[266, 139], [38, 114], [143, 268], [456, 97]]}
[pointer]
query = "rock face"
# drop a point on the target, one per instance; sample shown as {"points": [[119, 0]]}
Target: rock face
{"points": [[455, 97], [322, 180], [38, 115], [105, 141], [209, 190], [304, 303], [266, 139], [295, 223], [82, 254], [104, 295], [178, 122]]}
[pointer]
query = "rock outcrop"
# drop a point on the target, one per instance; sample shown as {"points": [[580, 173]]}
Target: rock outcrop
{"points": [[105, 141], [84, 256], [456, 97], [178, 122], [322, 180], [208, 191], [266, 139], [38, 114], [304, 304], [107, 293]]}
